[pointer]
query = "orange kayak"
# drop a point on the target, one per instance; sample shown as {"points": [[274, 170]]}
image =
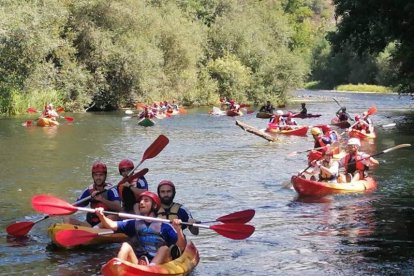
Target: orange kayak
{"points": [[46, 122], [183, 265], [299, 131], [306, 187], [361, 135]]}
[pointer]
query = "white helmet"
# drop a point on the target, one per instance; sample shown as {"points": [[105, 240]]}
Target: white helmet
{"points": [[279, 112], [354, 141]]}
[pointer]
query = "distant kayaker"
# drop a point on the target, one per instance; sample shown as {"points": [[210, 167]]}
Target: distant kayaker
{"points": [[172, 210], [322, 143], [356, 163], [153, 239], [342, 114], [130, 191], [289, 119], [268, 108], [108, 200], [361, 125], [49, 112], [304, 111], [277, 119]]}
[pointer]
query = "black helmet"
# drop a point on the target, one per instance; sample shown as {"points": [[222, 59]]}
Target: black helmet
{"points": [[343, 108]]}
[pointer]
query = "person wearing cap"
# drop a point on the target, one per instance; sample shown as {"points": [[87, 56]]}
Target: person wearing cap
{"points": [[172, 210], [321, 143], [277, 120], [327, 167], [153, 238], [130, 191], [108, 200], [355, 162], [303, 111]]}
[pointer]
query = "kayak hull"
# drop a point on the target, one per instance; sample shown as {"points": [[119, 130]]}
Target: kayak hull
{"points": [[146, 122], [264, 115], [340, 124], [361, 135], [300, 131], [304, 116], [103, 239], [306, 187], [233, 113], [183, 265], [46, 122]]}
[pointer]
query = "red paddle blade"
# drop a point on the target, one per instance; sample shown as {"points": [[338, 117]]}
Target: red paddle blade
{"points": [[156, 147], [31, 110], [27, 123], [52, 205], [68, 118], [140, 106], [19, 229], [235, 231], [74, 237], [238, 217], [60, 109], [372, 110], [134, 176]]}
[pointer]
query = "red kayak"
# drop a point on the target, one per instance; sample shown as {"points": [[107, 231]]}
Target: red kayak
{"points": [[306, 187], [361, 135], [299, 131], [341, 124]]}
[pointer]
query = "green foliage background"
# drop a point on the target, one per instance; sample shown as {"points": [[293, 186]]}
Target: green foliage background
{"points": [[111, 54]]}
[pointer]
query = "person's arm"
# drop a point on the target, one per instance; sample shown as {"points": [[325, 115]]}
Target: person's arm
{"points": [[113, 202], [181, 242], [106, 222]]}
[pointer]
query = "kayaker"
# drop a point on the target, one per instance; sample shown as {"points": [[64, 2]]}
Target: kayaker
{"points": [[321, 143], [360, 125], [356, 163], [108, 200], [304, 111], [327, 167], [147, 113], [268, 108], [154, 239], [331, 134], [367, 119], [342, 114], [234, 106], [49, 112], [277, 119], [289, 119], [130, 191], [172, 210]]}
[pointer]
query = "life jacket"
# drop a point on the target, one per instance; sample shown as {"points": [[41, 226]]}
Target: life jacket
{"points": [[149, 237], [169, 213], [92, 218], [319, 143], [342, 116], [355, 165]]}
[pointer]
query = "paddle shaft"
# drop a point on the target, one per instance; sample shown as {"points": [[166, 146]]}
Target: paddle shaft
{"points": [[132, 216]]}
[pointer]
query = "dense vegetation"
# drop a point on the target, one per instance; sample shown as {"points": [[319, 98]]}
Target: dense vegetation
{"points": [[110, 54]]}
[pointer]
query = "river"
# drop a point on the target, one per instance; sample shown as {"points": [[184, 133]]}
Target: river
{"points": [[219, 169]]}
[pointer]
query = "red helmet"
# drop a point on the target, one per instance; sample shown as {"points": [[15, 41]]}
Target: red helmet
{"points": [[357, 117], [166, 182], [125, 164], [155, 199], [99, 167], [289, 114]]}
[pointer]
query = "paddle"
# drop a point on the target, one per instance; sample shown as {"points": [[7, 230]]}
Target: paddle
{"points": [[20, 229], [56, 206], [334, 144], [236, 217]]}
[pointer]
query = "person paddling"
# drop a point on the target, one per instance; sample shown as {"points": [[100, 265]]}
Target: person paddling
{"points": [[108, 200], [326, 167], [303, 111], [130, 191], [172, 210], [153, 238], [268, 108], [321, 143], [355, 162], [342, 114]]}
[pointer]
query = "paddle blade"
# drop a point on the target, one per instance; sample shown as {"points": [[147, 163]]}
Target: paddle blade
{"points": [[74, 237], [238, 217], [372, 110], [19, 229], [235, 231], [52, 205], [156, 147], [140, 106], [60, 109], [134, 176], [28, 123], [31, 110], [69, 119]]}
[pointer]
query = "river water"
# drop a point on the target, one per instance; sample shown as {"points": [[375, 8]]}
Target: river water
{"points": [[219, 169]]}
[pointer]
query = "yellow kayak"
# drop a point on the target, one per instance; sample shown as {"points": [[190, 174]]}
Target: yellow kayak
{"points": [[46, 122], [183, 265], [102, 239]]}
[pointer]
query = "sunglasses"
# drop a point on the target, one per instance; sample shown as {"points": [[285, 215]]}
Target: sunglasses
{"points": [[124, 170]]}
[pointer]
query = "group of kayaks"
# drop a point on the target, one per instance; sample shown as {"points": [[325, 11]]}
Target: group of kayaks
{"points": [[183, 265], [149, 122]]}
